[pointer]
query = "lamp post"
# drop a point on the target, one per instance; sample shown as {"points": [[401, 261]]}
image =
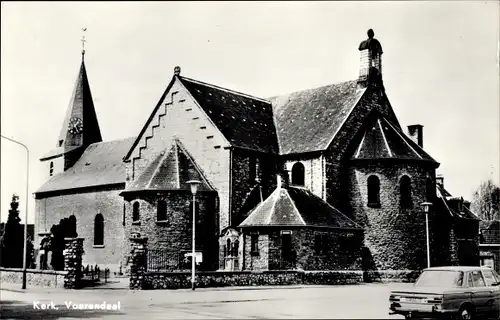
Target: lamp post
{"points": [[427, 206], [194, 188], [26, 206]]}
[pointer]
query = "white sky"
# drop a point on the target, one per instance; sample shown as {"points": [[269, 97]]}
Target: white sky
{"points": [[440, 68]]}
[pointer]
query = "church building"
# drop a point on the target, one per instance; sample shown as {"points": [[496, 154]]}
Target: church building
{"points": [[320, 179]]}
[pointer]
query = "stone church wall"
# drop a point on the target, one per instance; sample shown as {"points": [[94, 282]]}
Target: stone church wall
{"points": [[395, 237], [85, 205], [180, 116], [174, 235]]}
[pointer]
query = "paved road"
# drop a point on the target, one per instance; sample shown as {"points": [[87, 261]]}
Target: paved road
{"points": [[368, 301]]}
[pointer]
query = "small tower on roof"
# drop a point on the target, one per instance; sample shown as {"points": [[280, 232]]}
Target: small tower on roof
{"points": [[80, 127], [370, 70]]}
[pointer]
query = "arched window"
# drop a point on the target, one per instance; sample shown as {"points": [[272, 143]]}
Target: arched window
{"points": [[135, 212], [72, 227], [161, 211], [99, 230], [229, 251], [298, 174], [51, 173], [405, 192], [373, 191], [236, 248]]}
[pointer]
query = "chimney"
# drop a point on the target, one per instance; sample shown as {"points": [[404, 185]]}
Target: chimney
{"points": [[440, 180], [370, 69], [416, 132]]}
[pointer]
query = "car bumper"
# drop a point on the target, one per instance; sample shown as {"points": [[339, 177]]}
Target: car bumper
{"points": [[418, 309]]}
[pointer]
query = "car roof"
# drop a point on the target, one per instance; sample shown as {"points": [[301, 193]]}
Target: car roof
{"points": [[458, 268]]}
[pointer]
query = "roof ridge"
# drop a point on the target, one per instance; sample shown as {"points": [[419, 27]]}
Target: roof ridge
{"points": [[225, 89], [313, 88]]}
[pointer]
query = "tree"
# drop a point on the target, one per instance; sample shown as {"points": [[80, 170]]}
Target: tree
{"points": [[11, 245], [486, 201]]}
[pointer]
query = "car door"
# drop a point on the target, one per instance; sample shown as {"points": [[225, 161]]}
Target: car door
{"points": [[490, 280], [480, 292]]}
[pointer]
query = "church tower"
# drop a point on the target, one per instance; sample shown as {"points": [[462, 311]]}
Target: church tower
{"points": [[80, 127]]}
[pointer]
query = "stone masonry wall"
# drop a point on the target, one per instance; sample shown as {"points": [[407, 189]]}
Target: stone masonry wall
{"points": [[256, 261], [182, 280], [36, 278], [175, 235], [342, 146], [180, 116], [85, 206], [138, 259], [73, 262], [394, 236]]}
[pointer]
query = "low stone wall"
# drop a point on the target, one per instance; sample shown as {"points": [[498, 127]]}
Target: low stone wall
{"points": [[182, 280], [391, 275], [39, 278]]}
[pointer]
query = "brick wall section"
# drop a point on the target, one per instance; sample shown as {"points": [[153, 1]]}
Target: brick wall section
{"points": [[175, 235], [395, 237], [35, 278], [180, 116], [85, 206]]}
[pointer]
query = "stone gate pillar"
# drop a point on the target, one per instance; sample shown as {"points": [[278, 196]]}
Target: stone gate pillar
{"points": [[138, 262], [73, 262]]}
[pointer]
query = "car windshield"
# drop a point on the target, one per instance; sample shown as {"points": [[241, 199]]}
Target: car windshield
{"points": [[446, 278]]}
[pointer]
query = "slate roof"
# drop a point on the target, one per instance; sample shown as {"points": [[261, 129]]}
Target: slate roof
{"points": [[382, 140], [308, 120], [100, 164], [450, 205], [170, 170], [296, 206], [245, 121]]}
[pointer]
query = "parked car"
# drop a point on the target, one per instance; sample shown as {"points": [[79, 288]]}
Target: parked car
{"points": [[450, 292]]}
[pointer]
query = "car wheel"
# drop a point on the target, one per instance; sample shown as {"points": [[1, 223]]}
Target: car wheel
{"points": [[466, 313]]}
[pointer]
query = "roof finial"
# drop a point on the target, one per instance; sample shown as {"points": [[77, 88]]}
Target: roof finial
{"points": [[177, 70], [370, 33], [83, 42]]}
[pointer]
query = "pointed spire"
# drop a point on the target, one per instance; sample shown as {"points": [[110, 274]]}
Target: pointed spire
{"points": [[80, 126]]}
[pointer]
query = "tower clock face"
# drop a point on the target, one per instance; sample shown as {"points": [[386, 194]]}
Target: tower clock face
{"points": [[75, 125]]}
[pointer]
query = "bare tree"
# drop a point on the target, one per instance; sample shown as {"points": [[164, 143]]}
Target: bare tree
{"points": [[486, 201]]}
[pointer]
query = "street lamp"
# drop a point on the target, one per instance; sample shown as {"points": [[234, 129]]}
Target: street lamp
{"points": [[427, 206], [26, 206], [194, 188]]}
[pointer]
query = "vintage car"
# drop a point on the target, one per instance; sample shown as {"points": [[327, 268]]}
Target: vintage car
{"points": [[450, 293]]}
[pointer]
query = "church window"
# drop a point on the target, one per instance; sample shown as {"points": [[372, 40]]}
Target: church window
{"points": [[99, 230], [60, 143], [229, 249], [124, 212], [373, 191], [298, 175], [405, 192], [286, 246], [135, 212], [51, 168], [236, 247], [161, 211], [254, 244]]}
